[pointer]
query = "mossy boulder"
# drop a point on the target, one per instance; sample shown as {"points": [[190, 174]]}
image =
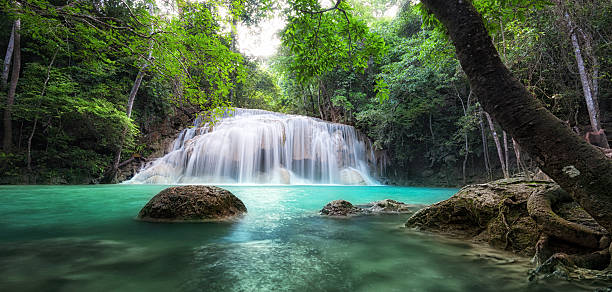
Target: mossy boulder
{"points": [[494, 212], [340, 208], [523, 216], [192, 204], [388, 206]]}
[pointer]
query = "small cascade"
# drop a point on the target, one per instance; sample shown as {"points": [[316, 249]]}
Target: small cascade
{"points": [[248, 146]]}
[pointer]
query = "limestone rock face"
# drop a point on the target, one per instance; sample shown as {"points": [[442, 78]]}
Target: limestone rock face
{"points": [[340, 208], [192, 204]]}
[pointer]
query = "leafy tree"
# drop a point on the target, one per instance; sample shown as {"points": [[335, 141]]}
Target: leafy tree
{"points": [[578, 167]]}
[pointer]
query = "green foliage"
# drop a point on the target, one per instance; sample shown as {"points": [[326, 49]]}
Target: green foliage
{"points": [[317, 43], [80, 61], [397, 80], [260, 90], [195, 52]]}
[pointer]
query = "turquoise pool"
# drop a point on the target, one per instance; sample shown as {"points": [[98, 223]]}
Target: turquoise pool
{"points": [[85, 238]]}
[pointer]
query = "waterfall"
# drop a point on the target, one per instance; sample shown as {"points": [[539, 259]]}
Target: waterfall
{"points": [[248, 146]]}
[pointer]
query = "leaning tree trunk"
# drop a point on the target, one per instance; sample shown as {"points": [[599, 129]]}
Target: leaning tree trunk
{"points": [[10, 98], [579, 168]]}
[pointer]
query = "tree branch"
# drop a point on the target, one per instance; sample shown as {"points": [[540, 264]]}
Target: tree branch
{"points": [[324, 10]]}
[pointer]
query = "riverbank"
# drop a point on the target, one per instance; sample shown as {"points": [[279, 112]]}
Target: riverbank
{"points": [[529, 218]]}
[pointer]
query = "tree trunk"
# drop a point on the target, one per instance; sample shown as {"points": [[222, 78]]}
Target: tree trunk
{"points": [[500, 153], [465, 106], [517, 154], [312, 103], [128, 111], [29, 159], [580, 169], [135, 88], [465, 158], [20, 137], [42, 94], [10, 98], [506, 153], [584, 79], [319, 101], [588, 86], [7, 58], [485, 146], [433, 137], [233, 48]]}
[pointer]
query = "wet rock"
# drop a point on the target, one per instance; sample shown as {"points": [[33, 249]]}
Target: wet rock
{"points": [[494, 212], [340, 208], [349, 176], [192, 204], [540, 175], [497, 213], [388, 206], [285, 176]]}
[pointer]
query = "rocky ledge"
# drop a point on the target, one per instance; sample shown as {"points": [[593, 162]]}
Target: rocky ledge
{"points": [[530, 218], [192, 204], [342, 208]]}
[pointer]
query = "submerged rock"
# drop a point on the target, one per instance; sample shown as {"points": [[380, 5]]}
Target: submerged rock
{"points": [[340, 208], [386, 206], [192, 204]]}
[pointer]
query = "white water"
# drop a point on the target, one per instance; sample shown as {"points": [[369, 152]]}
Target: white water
{"points": [[260, 147]]}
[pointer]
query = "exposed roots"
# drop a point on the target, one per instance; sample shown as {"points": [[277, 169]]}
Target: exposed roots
{"points": [[564, 266], [607, 152], [539, 206], [503, 208], [564, 246]]}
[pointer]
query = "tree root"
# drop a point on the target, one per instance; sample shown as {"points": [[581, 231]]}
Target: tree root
{"points": [[502, 209], [564, 246], [562, 265], [539, 206], [607, 152]]}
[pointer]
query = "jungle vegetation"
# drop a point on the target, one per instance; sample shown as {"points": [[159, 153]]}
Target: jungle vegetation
{"points": [[87, 84]]}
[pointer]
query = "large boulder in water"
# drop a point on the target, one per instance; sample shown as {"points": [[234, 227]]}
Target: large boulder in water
{"points": [[494, 212], [192, 204], [497, 213]]}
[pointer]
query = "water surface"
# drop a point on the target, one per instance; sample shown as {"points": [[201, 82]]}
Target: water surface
{"points": [[85, 238]]}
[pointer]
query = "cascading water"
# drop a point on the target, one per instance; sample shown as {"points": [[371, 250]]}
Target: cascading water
{"points": [[249, 146]]}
